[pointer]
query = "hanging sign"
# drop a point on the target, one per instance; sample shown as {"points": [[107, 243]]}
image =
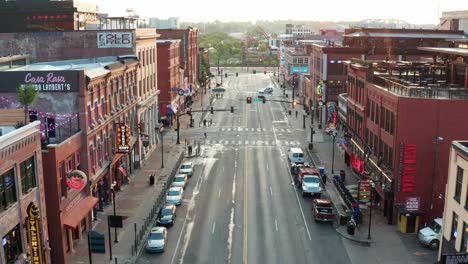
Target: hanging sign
{"points": [[34, 233], [412, 204], [123, 138], [76, 180]]}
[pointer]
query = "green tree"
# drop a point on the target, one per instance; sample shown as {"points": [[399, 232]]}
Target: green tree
{"points": [[27, 96]]}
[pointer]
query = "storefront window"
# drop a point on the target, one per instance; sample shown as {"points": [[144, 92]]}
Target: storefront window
{"points": [[7, 189], [453, 234], [464, 246], [28, 174], [458, 184], [11, 243]]}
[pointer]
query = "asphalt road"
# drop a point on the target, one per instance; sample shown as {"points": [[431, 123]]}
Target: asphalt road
{"points": [[241, 205]]}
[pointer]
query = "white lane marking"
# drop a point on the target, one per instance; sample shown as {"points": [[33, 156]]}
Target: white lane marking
{"points": [[231, 222], [268, 167], [276, 224], [299, 203], [213, 229], [219, 193], [223, 169], [271, 191]]}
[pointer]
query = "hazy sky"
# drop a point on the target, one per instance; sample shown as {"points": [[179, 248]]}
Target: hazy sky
{"points": [[412, 11]]}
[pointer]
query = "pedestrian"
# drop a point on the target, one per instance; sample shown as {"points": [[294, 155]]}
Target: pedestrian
{"points": [[205, 134], [296, 113], [324, 179], [190, 150], [211, 121]]}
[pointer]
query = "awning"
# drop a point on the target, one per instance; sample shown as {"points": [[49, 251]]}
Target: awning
{"points": [[116, 158], [171, 111], [123, 170], [75, 215]]}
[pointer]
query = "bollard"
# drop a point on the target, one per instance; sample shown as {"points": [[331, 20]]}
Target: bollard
{"points": [[115, 260], [131, 249]]}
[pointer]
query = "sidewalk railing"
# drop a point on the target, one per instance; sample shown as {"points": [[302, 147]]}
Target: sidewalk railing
{"points": [[145, 228]]}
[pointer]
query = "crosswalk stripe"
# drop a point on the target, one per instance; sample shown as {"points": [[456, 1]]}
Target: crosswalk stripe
{"points": [[240, 128]]}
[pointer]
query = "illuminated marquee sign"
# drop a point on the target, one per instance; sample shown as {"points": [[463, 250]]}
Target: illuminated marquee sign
{"points": [[123, 138], [407, 170], [34, 233]]}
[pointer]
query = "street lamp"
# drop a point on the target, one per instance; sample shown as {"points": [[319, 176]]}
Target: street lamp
{"points": [[161, 129], [178, 129], [434, 171], [372, 184], [333, 134], [114, 183]]}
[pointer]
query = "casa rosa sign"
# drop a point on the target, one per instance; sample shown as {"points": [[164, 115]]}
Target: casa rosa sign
{"points": [[43, 81], [76, 180]]}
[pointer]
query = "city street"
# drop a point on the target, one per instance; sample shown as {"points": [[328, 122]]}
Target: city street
{"points": [[241, 206]]}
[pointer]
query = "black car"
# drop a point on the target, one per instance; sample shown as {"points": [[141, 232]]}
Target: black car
{"points": [[167, 215]]}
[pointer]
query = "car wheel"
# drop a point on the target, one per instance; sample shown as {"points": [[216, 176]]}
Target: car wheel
{"points": [[434, 244]]}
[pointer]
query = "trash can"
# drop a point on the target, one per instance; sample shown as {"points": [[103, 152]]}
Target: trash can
{"points": [[311, 146], [151, 179], [350, 227], [322, 170]]}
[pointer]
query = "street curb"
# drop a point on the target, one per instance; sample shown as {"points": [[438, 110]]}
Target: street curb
{"points": [[353, 238]]}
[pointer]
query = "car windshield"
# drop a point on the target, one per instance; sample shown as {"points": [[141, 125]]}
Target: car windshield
{"points": [[156, 236], [298, 155], [186, 166], [324, 210], [173, 193], [166, 211], [311, 179], [179, 179]]}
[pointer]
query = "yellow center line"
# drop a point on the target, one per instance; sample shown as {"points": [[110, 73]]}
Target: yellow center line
{"points": [[245, 259]]}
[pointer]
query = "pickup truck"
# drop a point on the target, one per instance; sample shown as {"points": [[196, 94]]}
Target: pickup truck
{"points": [[308, 181], [322, 210], [430, 236]]}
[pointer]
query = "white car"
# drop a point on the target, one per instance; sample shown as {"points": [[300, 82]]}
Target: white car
{"points": [[157, 240], [180, 180], [186, 168], [175, 195], [268, 90]]}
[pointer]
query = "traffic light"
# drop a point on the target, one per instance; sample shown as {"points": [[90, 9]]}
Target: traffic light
{"points": [[264, 72], [232, 109], [189, 112], [294, 104], [249, 100], [225, 74], [237, 74], [212, 111], [263, 99], [254, 71]]}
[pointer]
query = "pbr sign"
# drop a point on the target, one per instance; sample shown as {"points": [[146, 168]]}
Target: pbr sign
{"points": [[123, 138]]}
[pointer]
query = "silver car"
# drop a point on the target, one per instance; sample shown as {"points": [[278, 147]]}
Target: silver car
{"points": [[180, 180], [157, 240], [175, 195], [186, 168]]}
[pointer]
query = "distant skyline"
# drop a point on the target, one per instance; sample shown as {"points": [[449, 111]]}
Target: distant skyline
{"points": [[411, 11]]}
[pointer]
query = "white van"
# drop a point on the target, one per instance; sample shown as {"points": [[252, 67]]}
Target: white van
{"points": [[296, 155], [430, 236]]}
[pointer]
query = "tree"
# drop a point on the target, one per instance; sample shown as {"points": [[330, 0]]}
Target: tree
{"points": [[27, 96]]}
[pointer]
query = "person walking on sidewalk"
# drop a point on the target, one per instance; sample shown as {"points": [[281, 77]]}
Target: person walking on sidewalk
{"points": [[296, 113], [205, 134], [190, 150]]}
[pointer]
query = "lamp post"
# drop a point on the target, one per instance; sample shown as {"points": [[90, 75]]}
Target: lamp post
{"points": [[161, 129], [434, 171], [113, 203], [333, 134], [178, 129], [372, 184]]}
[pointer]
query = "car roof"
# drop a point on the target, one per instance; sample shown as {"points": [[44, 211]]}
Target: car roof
{"points": [[180, 175], [174, 188], [323, 201], [187, 163], [295, 149], [158, 229], [170, 206]]}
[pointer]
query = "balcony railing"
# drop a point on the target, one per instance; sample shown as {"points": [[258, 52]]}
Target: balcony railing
{"points": [[63, 130]]}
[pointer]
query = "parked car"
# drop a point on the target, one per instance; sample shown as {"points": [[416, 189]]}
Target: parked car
{"points": [[157, 240], [430, 236], [296, 155], [323, 210], [308, 180], [260, 94], [175, 195], [180, 180], [267, 90], [186, 168], [167, 215]]}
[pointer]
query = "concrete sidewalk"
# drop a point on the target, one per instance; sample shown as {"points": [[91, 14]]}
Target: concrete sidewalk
{"points": [[137, 200]]}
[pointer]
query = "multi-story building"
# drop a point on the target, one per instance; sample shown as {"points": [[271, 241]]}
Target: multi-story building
{"points": [[396, 113], [82, 104], [43, 15], [188, 53], [170, 80], [23, 221], [326, 58], [171, 22], [454, 20], [454, 238]]}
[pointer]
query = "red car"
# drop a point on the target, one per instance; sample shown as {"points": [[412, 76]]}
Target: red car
{"points": [[323, 210]]}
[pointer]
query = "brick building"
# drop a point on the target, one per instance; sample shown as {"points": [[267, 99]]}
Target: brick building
{"points": [[326, 58], [22, 197], [170, 80], [188, 52], [402, 117], [79, 105]]}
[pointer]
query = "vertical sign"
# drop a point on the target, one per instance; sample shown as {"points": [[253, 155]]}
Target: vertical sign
{"points": [[407, 167], [364, 190], [184, 47], [199, 66], [123, 138], [34, 233]]}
